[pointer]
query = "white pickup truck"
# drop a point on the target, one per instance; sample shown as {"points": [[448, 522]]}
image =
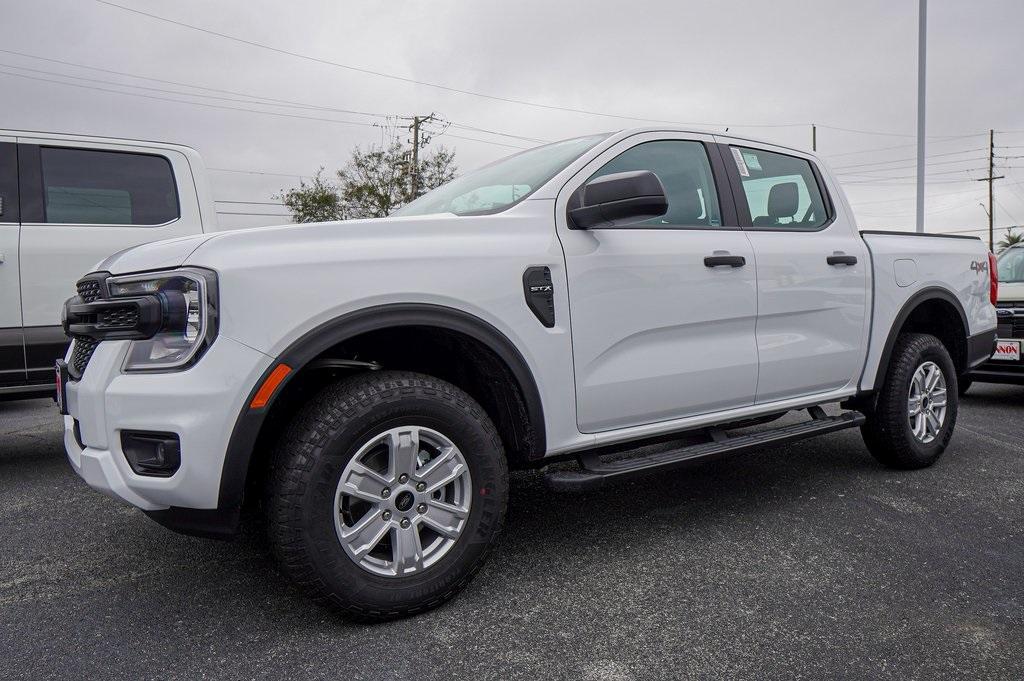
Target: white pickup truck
{"points": [[365, 386], [66, 203]]}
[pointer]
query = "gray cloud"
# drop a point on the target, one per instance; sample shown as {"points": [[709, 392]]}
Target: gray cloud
{"points": [[783, 63]]}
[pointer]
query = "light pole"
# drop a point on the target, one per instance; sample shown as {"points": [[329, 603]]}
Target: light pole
{"points": [[922, 34]]}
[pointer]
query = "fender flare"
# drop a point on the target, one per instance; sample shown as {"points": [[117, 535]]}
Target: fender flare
{"points": [[250, 421], [922, 296]]}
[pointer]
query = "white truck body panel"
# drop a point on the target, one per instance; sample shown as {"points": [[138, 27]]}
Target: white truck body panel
{"points": [[937, 263], [647, 340]]}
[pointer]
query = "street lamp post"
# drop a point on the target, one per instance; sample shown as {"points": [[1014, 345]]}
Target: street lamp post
{"points": [[922, 32]]}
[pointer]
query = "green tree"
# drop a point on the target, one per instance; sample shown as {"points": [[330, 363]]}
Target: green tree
{"points": [[318, 201], [375, 182], [1011, 239]]}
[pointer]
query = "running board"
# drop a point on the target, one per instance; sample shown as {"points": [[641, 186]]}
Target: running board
{"points": [[595, 469]]}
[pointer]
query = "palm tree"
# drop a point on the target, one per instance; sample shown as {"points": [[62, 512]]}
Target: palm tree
{"points": [[1011, 239]]}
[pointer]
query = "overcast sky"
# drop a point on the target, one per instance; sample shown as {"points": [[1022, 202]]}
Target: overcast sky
{"points": [[765, 69]]}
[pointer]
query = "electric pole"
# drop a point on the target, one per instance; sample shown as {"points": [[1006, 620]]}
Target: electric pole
{"points": [[416, 128], [814, 137], [990, 179]]}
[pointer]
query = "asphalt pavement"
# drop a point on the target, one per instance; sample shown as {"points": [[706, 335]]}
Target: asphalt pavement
{"points": [[803, 561]]}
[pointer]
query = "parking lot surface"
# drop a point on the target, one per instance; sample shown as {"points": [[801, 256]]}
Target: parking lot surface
{"points": [[808, 560]]}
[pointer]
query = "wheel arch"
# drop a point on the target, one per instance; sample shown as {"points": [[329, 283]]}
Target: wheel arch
{"points": [[250, 422], [912, 317]]}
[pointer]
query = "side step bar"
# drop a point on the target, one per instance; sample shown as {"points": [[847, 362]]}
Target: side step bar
{"points": [[596, 469]]}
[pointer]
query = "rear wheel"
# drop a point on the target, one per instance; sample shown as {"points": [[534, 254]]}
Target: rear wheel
{"points": [[388, 491], [916, 407]]}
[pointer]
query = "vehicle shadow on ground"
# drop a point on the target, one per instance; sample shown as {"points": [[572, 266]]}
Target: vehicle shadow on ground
{"points": [[679, 505], [637, 520]]}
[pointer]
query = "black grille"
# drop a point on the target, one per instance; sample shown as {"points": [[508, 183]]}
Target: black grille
{"points": [[118, 317], [89, 290], [84, 347]]}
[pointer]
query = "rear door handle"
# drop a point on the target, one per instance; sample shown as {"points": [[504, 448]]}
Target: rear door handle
{"points": [[720, 260], [841, 259]]}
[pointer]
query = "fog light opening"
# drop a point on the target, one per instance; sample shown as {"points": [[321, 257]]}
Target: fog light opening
{"points": [[151, 454]]}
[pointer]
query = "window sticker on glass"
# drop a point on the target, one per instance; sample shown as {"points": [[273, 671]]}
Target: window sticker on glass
{"points": [[751, 159], [740, 163]]}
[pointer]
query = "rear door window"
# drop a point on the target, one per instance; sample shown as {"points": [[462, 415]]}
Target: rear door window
{"points": [[96, 187], [781, 191]]}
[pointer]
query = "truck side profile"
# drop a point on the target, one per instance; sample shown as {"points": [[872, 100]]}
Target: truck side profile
{"points": [[365, 386]]}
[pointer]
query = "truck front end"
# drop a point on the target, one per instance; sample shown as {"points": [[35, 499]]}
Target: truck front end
{"points": [[1007, 363], [141, 426]]}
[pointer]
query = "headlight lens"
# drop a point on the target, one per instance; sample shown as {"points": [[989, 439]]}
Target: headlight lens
{"points": [[188, 300]]}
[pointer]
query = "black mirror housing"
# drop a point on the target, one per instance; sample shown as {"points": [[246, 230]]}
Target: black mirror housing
{"points": [[618, 199]]}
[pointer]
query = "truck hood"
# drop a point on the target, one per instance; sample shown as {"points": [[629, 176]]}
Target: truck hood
{"points": [[373, 239], [1011, 292], [154, 255]]}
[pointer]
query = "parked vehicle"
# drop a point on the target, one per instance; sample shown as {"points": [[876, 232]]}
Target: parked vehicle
{"points": [[1006, 364], [66, 203], [366, 385]]}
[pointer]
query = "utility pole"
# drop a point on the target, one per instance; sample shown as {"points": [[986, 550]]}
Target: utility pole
{"points": [[814, 137], [416, 127], [990, 179], [922, 34]]}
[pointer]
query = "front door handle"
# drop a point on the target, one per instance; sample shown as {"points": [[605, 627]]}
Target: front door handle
{"points": [[841, 259], [728, 260]]}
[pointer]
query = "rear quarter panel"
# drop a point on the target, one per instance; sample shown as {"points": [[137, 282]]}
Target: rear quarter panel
{"points": [[907, 264]]}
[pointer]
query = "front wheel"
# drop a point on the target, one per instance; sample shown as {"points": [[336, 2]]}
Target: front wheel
{"points": [[916, 406], [388, 490]]}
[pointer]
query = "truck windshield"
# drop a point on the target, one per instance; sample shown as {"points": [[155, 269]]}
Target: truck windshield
{"points": [[1011, 265], [495, 187]]}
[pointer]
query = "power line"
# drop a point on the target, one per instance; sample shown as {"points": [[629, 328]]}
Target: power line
{"points": [[904, 160], [267, 101], [449, 88], [908, 198], [250, 98], [905, 177], [900, 184], [279, 114], [861, 132], [185, 101], [266, 215], [1008, 214], [869, 171], [944, 140], [261, 172], [252, 203]]}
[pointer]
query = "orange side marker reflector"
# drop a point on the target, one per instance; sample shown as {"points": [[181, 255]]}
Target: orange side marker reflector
{"points": [[266, 390]]}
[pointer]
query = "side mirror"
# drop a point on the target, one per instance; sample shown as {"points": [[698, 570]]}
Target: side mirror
{"points": [[618, 199]]}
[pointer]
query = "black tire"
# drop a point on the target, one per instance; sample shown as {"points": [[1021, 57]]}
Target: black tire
{"points": [[311, 457], [964, 384], [887, 432]]}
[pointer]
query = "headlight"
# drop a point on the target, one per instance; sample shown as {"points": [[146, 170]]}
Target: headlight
{"points": [[188, 304]]}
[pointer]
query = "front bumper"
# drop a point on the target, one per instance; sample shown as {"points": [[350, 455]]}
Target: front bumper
{"points": [[200, 405]]}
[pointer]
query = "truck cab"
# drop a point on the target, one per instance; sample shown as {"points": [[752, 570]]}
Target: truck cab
{"points": [[66, 203]]}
